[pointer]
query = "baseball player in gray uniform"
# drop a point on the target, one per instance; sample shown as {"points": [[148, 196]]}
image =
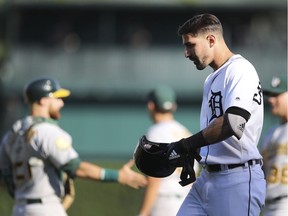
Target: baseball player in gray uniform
{"points": [[36, 150], [163, 196], [231, 182], [274, 149]]}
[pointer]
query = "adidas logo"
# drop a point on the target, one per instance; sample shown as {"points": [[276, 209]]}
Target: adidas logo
{"points": [[241, 127], [173, 155]]}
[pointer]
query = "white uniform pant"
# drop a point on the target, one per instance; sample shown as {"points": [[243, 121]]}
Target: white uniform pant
{"points": [[279, 208], [167, 205], [233, 192], [50, 207]]}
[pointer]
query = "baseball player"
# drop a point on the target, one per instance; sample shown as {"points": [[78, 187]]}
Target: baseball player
{"points": [[163, 196], [274, 150], [36, 150], [231, 182]]}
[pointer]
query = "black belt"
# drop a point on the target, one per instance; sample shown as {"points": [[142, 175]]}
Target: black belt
{"points": [[219, 167], [33, 201], [276, 199]]}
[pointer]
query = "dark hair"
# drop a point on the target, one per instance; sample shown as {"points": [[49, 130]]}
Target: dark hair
{"points": [[199, 24]]}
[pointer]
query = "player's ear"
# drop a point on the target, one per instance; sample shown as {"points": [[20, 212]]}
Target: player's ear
{"points": [[151, 106], [211, 40], [43, 101]]}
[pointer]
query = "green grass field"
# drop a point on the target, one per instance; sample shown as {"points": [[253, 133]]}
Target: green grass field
{"points": [[94, 198]]}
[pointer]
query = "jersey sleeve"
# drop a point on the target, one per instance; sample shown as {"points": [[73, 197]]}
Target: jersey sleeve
{"points": [[55, 144], [242, 86]]}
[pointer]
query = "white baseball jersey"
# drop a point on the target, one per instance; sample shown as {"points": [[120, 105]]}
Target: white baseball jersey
{"points": [[274, 148], [171, 193], [35, 156], [234, 84], [239, 191]]}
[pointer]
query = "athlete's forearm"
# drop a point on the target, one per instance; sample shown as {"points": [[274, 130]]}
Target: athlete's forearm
{"points": [[89, 171], [217, 131]]}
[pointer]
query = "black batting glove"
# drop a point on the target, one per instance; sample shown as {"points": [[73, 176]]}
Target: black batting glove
{"points": [[178, 152]]}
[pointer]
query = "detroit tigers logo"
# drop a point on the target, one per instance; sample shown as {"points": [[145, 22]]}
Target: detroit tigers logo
{"points": [[215, 104]]}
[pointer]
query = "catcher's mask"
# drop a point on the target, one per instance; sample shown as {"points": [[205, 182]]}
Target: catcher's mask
{"points": [[150, 158]]}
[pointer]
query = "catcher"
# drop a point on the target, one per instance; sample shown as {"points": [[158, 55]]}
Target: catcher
{"points": [[35, 152]]}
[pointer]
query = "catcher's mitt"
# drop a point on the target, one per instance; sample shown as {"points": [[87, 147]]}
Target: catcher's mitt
{"points": [[69, 189]]}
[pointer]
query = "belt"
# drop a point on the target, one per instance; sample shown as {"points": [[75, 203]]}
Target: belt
{"points": [[33, 201], [219, 167], [276, 199]]}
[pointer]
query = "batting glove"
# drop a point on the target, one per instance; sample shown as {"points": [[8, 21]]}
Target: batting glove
{"points": [[178, 152]]}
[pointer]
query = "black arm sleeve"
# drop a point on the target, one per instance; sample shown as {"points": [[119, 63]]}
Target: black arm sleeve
{"points": [[239, 111]]}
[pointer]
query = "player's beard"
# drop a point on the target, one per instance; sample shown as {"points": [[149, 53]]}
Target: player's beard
{"points": [[55, 114], [199, 65]]}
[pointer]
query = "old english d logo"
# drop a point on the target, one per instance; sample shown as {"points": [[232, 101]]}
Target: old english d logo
{"points": [[215, 104]]}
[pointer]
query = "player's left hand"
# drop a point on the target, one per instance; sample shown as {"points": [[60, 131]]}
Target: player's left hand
{"points": [[131, 178], [180, 155], [177, 152]]}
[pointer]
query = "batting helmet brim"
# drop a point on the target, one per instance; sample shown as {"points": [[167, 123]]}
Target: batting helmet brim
{"points": [[61, 93]]}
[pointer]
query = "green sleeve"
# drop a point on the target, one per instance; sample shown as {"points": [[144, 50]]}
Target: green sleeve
{"points": [[71, 167]]}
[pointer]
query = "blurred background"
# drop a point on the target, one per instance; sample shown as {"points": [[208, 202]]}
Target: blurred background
{"points": [[110, 53]]}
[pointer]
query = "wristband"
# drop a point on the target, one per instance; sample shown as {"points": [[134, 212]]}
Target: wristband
{"points": [[195, 141], [109, 175]]}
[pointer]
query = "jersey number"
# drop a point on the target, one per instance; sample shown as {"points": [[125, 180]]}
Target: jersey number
{"points": [[278, 175], [258, 96], [22, 172]]}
